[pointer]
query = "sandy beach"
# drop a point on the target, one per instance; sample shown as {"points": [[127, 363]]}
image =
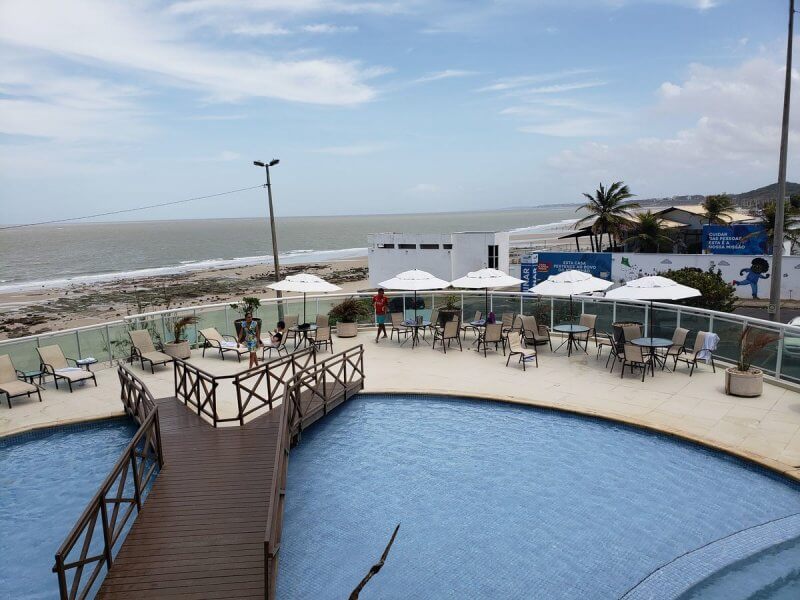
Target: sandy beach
{"points": [[51, 309]]}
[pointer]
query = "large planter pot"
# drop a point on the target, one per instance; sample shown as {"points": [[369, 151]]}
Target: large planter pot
{"points": [[178, 350], [346, 330], [746, 384], [445, 315]]}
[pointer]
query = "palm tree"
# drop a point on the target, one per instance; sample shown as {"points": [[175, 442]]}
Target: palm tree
{"points": [[608, 209], [650, 234], [716, 207], [791, 222]]}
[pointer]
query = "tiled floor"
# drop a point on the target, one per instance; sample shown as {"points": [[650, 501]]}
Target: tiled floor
{"points": [[766, 429]]}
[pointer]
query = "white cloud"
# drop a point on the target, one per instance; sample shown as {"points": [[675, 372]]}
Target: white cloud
{"points": [[288, 6], [732, 132], [570, 128], [351, 150], [123, 35], [329, 28], [509, 83], [261, 29], [446, 74]]}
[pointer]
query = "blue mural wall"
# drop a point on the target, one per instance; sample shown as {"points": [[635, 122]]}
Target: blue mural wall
{"points": [[538, 267], [735, 239]]}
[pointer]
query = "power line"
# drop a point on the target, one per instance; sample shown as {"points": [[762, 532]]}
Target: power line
{"points": [[127, 210]]}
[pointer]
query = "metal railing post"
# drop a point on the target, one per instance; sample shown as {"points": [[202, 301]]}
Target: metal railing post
{"points": [[106, 532], [552, 311], [137, 491], [779, 357], [78, 344], [108, 342]]}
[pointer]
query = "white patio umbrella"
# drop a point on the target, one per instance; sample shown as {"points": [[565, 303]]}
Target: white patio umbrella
{"points": [[653, 287], [570, 283], [485, 279], [414, 281], [305, 283]]}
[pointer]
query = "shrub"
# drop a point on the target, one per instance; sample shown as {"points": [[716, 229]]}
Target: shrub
{"points": [[717, 294], [350, 310]]}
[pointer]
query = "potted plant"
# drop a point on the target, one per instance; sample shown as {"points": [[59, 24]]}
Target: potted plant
{"points": [[744, 379], [248, 304], [450, 310], [346, 315], [179, 346]]}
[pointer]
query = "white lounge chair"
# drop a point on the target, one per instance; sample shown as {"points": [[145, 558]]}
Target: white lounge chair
{"points": [[10, 384], [56, 364], [224, 343], [145, 350]]}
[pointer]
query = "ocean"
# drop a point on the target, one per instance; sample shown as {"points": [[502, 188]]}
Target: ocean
{"points": [[56, 255]]}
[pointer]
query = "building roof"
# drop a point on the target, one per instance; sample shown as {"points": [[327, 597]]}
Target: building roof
{"points": [[698, 211]]}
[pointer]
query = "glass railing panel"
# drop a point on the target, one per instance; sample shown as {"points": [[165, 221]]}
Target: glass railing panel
{"points": [[631, 313], [473, 303], [565, 311], [23, 354], [766, 358], [67, 341], [212, 318], [539, 307], [790, 357], [730, 333], [604, 311], [94, 343], [504, 304], [119, 341], [663, 322]]}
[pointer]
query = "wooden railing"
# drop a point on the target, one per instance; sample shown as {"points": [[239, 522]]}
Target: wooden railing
{"points": [[311, 391], [256, 388], [123, 490], [330, 380], [272, 375]]}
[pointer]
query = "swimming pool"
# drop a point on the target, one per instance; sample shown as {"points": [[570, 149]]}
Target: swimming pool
{"points": [[46, 479], [504, 501]]}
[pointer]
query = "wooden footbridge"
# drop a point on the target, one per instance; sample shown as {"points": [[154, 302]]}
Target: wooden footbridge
{"points": [[209, 499]]}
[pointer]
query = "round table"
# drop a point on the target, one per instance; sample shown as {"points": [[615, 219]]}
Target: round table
{"points": [[303, 331], [652, 343], [415, 327], [571, 331]]}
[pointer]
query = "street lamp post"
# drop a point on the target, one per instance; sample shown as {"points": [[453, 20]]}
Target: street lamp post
{"points": [[266, 166], [777, 248]]}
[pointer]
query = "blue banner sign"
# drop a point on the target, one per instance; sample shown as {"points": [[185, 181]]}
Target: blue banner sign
{"points": [[538, 267], [735, 239]]}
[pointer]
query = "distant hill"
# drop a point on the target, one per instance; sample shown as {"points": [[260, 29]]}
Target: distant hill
{"points": [[751, 199]]}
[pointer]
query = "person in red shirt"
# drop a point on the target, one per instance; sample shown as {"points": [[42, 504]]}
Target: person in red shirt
{"points": [[380, 302]]}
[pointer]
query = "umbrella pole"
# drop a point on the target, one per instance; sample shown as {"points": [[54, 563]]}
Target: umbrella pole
{"points": [[415, 306], [304, 308], [571, 315], [486, 314]]}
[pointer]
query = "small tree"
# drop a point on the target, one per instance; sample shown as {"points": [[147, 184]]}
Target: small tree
{"points": [[608, 210], [716, 293], [248, 304], [649, 233], [716, 207]]}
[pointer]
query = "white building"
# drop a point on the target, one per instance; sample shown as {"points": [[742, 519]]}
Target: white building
{"points": [[445, 255]]}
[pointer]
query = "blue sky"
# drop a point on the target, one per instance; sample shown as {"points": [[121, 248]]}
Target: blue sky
{"points": [[400, 106]]}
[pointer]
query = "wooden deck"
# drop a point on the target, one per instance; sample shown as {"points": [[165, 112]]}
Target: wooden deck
{"points": [[201, 532]]}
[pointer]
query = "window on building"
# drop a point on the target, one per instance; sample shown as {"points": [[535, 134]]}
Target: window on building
{"points": [[385, 245], [493, 257], [429, 246], [407, 246], [447, 246]]}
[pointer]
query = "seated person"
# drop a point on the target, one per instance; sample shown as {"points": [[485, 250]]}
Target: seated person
{"points": [[276, 336]]}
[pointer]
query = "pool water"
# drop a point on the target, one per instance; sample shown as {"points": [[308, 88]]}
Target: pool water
{"points": [[46, 479], [503, 501]]}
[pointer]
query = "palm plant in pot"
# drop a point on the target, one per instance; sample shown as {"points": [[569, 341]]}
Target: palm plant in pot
{"points": [[451, 309], [179, 346], [346, 315], [744, 379], [248, 304]]}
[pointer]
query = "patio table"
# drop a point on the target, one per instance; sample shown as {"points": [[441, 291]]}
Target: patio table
{"points": [[415, 327], [571, 331], [652, 343], [303, 331]]}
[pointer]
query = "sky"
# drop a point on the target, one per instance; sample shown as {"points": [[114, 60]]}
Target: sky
{"points": [[376, 107]]}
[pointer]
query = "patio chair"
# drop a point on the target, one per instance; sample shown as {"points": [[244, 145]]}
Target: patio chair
{"points": [[587, 321], [516, 325], [535, 334], [607, 339], [507, 320], [290, 321], [631, 332], [56, 364], [492, 334], [224, 343], [268, 347], [145, 351], [10, 385], [322, 321], [447, 334], [677, 348], [323, 338], [691, 358], [634, 356], [515, 349], [434, 322], [398, 325], [470, 326]]}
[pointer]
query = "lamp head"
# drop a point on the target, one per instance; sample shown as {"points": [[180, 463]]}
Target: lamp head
{"points": [[258, 163], [274, 162]]}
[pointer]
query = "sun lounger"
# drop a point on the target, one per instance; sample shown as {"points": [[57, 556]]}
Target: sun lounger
{"points": [[224, 343], [56, 364], [10, 384], [145, 351]]}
